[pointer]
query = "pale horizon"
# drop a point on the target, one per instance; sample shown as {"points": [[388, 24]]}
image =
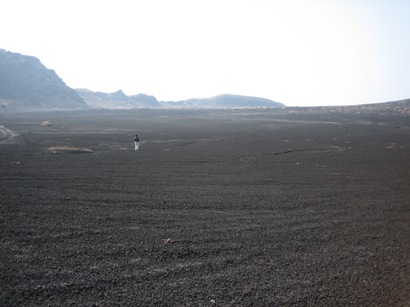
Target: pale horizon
{"points": [[299, 53]]}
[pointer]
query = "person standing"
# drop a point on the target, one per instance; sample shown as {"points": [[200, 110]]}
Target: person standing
{"points": [[136, 142]]}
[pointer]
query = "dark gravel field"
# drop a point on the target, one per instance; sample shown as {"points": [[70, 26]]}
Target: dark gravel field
{"points": [[216, 208]]}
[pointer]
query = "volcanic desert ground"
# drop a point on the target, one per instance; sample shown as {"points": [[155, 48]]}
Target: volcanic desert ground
{"points": [[216, 208]]}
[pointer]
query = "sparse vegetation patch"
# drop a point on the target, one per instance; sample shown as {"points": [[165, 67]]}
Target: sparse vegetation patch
{"points": [[46, 123], [67, 149]]}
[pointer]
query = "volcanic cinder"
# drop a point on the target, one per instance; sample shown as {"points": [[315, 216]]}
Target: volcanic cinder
{"points": [[245, 207]]}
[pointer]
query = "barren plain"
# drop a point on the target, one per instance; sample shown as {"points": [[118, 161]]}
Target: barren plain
{"points": [[223, 208]]}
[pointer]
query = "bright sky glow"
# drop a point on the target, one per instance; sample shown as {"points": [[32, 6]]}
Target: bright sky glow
{"points": [[298, 52]]}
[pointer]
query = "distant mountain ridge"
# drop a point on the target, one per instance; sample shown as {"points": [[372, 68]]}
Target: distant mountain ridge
{"points": [[27, 85], [224, 101], [117, 100]]}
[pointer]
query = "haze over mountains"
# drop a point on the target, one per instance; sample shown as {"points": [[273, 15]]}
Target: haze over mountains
{"points": [[27, 85]]}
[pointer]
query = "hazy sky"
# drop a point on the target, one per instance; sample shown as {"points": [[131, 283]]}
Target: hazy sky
{"points": [[298, 52]]}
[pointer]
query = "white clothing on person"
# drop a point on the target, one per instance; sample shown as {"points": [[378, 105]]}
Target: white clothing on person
{"points": [[136, 142]]}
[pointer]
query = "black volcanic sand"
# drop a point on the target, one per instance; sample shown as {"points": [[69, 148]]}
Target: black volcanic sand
{"points": [[216, 208]]}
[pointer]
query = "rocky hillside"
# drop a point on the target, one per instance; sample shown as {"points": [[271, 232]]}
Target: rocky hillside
{"points": [[27, 85], [117, 100]]}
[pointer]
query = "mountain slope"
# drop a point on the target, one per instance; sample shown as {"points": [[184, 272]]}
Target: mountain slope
{"points": [[27, 85]]}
